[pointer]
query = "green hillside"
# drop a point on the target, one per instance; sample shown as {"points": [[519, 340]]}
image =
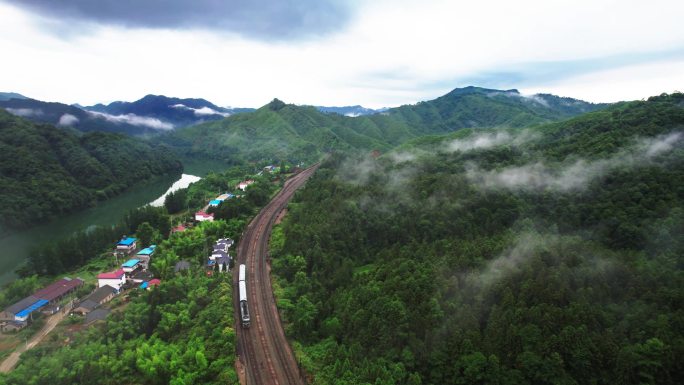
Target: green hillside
{"points": [[547, 255], [281, 131], [46, 171]]}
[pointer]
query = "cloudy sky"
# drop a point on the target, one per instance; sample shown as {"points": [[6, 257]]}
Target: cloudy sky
{"points": [[338, 52]]}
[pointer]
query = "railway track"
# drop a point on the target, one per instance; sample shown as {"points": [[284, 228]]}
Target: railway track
{"points": [[263, 349]]}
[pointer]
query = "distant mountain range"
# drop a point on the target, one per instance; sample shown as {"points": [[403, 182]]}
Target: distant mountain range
{"points": [[172, 111], [11, 95], [149, 115], [280, 131], [46, 172], [319, 126], [351, 111]]}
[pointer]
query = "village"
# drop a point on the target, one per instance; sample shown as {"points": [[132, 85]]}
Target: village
{"points": [[70, 298]]}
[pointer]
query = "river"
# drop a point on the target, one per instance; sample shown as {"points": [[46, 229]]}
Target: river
{"points": [[15, 247]]}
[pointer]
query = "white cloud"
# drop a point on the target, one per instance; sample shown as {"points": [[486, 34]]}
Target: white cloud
{"points": [[392, 52], [488, 140], [67, 120], [576, 176], [25, 112], [141, 121], [204, 111]]}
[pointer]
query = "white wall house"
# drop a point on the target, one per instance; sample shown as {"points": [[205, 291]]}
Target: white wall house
{"points": [[115, 279], [201, 216]]}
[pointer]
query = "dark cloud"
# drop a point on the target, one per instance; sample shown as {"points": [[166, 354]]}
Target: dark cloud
{"points": [[257, 19]]}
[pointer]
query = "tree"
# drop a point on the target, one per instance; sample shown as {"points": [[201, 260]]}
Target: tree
{"points": [[145, 232]]}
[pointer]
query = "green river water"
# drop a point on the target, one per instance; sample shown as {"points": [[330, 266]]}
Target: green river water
{"points": [[15, 247]]}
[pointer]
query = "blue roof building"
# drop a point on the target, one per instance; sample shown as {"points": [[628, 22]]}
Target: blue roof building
{"points": [[131, 263], [147, 250], [127, 241], [23, 315]]}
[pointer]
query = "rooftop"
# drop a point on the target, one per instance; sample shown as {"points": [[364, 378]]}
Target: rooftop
{"points": [[131, 263], [111, 275], [30, 309], [58, 289], [21, 305], [148, 250], [154, 282], [89, 304], [100, 294], [126, 241], [97, 315], [215, 202]]}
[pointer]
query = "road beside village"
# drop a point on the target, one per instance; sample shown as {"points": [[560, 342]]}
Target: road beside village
{"points": [[10, 362]]}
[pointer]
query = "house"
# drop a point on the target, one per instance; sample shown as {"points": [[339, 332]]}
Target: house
{"points": [[243, 185], [24, 314], [178, 229], [115, 279], [218, 254], [98, 297], [126, 245], [50, 309], [154, 282], [201, 216], [96, 315], [140, 276], [49, 295], [224, 243], [58, 290], [12, 326], [131, 265], [223, 263], [181, 265], [10, 313], [145, 255]]}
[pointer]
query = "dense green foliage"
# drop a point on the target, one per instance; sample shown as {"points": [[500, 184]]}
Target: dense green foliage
{"points": [[544, 256], [280, 131], [64, 255], [176, 201], [178, 333], [46, 172], [69, 117]]}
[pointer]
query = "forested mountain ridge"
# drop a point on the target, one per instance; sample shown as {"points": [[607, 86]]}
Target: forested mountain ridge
{"points": [[46, 171], [507, 256], [472, 107], [67, 116], [285, 131], [176, 111]]}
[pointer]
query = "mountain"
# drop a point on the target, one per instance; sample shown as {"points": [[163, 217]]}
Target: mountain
{"points": [[350, 110], [11, 95], [471, 107], [147, 116], [285, 131], [173, 111], [538, 255], [46, 171], [67, 116]]}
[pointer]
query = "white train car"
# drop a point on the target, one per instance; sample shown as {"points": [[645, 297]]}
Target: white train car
{"points": [[243, 273], [242, 288]]}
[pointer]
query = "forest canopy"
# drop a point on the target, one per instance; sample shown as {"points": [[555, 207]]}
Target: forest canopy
{"points": [[46, 172]]}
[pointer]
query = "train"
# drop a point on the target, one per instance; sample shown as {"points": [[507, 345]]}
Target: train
{"points": [[242, 287]]}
